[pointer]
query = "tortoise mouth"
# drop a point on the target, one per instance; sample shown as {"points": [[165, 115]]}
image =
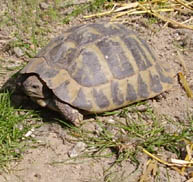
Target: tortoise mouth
{"points": [[34, 95]]}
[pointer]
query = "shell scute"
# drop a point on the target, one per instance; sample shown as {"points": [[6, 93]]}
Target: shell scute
{"points": [[163, 78], [131, 94], [88, 72], [116, 58], [155, 83], [116, 93], [63, 91], [81, 37], [141, 59], [81, 101], [100, 98], [142, 88]]}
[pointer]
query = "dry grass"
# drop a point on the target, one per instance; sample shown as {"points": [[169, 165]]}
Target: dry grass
{"points": [[167, 11]]}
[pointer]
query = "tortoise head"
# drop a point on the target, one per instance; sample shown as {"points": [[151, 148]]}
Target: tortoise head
{"points": [[36, 89]]}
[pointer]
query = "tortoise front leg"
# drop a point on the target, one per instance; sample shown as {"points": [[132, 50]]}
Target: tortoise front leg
{"points": [[69, 113]]}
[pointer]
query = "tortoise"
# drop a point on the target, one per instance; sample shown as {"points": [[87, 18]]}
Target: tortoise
{"points": [[94, 68]]}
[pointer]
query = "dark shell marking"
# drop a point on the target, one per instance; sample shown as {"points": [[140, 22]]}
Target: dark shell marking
{"points": [[90, 72], [131, 95], [142, 88], [116, 59], [100, 67], [100, 98], [81, 101]]}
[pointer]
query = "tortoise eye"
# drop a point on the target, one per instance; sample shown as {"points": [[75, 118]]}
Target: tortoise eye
{"points": [[35, 86]]}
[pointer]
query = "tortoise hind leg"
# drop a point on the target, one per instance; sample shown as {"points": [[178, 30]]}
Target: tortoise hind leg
{"points": [[69, 113]]}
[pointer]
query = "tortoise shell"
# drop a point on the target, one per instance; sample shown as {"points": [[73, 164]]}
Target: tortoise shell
{"points": [[100, 67]]}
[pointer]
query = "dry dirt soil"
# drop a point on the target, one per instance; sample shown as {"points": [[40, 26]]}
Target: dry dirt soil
{"points": [[45, 163]]}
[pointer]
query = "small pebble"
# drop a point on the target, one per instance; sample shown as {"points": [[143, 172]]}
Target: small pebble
{"points": [[77, 149], [44, 5], [76, 2], [142, 108], [111, 121], [98, 129], [18, 51], [29, 133]]}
